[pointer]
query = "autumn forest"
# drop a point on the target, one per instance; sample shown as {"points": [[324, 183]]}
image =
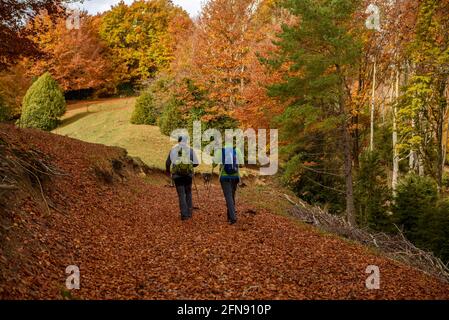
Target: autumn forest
{"points": [[357, 89]]}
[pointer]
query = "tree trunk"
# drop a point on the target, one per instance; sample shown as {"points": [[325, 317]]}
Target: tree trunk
{"points": [[373, 99], [355, 142], [355, 124], [445, 139], [395, 176], [350, 208], [347, 148], [440, 143], [421, 171]]}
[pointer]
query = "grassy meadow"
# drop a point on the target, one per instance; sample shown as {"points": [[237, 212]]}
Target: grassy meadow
{"points": [[108, 122]]}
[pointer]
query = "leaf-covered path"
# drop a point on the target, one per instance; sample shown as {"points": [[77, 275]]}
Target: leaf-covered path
{"points": [[129, 243]]}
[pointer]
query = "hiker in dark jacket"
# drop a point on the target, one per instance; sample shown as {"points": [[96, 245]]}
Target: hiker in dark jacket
{"points": [[180, 163], [230, 159]]}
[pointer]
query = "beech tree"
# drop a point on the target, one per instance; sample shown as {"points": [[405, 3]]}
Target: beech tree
{"points": [[14, 41], [424, 109], [142, 37], [76, 57], [221, 61]]}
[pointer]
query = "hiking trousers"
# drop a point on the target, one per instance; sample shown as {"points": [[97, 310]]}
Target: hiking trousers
{"points": [[229, 187], [184, 190]]}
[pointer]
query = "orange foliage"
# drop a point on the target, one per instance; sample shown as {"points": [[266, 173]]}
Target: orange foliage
{"points": [[76, 57], [221, 56]]}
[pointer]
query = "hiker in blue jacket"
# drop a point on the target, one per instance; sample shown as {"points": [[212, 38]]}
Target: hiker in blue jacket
{"points": [[230, 159], [180, 163]]}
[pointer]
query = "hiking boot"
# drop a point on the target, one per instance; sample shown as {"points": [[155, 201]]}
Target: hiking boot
{"points": [[231, 222], [185, 218]]}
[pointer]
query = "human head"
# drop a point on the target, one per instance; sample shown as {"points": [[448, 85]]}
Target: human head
{"points": [[182, 139]]}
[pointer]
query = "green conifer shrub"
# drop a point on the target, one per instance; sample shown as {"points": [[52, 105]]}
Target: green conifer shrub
{"points": [[43, 104], [145, 111]]}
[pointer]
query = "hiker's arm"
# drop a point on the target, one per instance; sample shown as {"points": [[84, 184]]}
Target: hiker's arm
{"points": [[193, 158], [240, 159], [168, 164]]}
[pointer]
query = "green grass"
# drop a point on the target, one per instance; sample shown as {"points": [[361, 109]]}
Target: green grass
{"points": [[108, 123], [267, 194]]}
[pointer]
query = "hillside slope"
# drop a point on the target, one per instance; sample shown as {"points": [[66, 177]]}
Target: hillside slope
{"points": [[108, 122], [124, 233]]}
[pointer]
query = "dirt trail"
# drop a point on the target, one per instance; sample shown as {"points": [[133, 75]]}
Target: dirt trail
{"points": [[129, 243]]}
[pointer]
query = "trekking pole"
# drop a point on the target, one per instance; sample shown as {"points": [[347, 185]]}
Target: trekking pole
{"points": [[196, 188], [210, 183]]}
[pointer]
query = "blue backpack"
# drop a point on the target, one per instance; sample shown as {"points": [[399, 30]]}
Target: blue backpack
{"points": [[229, 153]]}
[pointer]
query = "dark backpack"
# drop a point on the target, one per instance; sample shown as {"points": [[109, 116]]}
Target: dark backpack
{"points": [[182, 165], [230, 153]]}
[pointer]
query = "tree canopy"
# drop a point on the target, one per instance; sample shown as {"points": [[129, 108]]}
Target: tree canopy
{"points": [[142, 37], [14, 43]]}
